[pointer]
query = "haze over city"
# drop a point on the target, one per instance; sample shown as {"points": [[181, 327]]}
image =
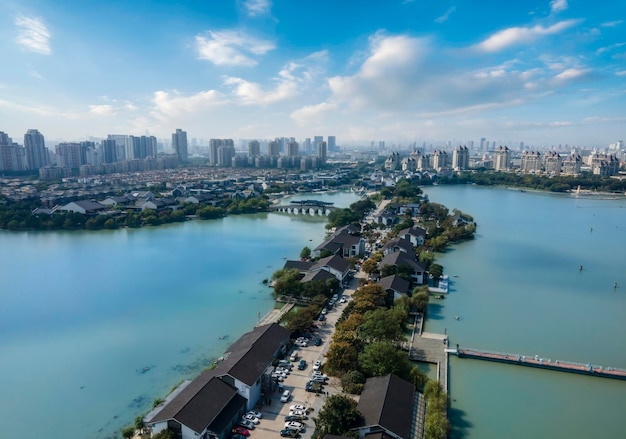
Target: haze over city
{"points": [[542, 72]]}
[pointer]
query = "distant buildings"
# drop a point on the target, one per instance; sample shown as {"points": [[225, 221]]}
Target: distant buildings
{"points": [[460, 158], [179, 143], [36, 151], [502, 159]]}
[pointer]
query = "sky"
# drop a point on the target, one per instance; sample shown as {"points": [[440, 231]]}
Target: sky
{"points": [[543, 72]]}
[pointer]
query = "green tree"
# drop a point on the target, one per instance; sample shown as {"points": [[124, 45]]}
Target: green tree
{"points": [[418, 378], [382, 358], [305, 253], [383, 325], [287, 282], [421, 298], [128, 432], [369, 266], [353, 382], [341, 357], [337, 417], [436, 271]]}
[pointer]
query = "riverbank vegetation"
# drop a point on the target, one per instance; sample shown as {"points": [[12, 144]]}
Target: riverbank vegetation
{"points": [[22, 215], [564, 183]]}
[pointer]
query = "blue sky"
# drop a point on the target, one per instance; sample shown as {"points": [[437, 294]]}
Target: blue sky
{"points": [[543, 72]]}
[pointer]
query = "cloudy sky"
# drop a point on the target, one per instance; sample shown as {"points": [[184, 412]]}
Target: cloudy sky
{"points": [[543, 72]]}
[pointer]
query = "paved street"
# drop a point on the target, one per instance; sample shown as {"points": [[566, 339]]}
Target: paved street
{"points": [[274, 414]]}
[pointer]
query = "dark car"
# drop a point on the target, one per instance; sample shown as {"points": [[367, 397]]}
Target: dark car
{"points": [[289, 433], [321, 318], [302, 365], [318, 342], [297, 418]]}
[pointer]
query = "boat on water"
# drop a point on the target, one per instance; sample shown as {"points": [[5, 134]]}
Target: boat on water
{"points": [[457, 317]]}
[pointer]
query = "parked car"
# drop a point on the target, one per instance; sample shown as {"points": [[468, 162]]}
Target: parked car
{"points": [[297, 418], [317, 365], [302, 365], [297, 413], [285, 396], [247, 424], [237, 436], [293, 425], [251, 418], [256, 414], [321, 318], [289, 433], [297, 407], [241, 430], [318, 342]]}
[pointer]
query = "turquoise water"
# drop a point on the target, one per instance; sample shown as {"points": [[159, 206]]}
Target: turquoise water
{"points": [[83, 313], [519, 289]]}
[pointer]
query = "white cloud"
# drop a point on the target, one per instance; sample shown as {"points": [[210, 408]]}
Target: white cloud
{"points": [[257, 7], [445, 16], [33, 35], [521, 35], [572, 73], [612, 23], [231, 48], [170, 106], [102, 110], [621, 73], [558, 5], [313, 114], [128, 105], [602, 50]]}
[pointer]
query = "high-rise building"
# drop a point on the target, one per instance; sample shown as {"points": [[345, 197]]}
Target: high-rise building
{"points": [[121, 145], [109, 151], [254, 148], [273, 149], [484, 145], [460, 158], [530, 162], [307, 145], [141, 147], [12, 155], [179, 144], [292, 149], [322, 152], [316, 141], [69, 155], [501, 159], [36, 152], [332, 145]]}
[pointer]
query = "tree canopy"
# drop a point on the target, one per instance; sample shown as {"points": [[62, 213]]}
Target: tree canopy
{"points": [[337, 417]]}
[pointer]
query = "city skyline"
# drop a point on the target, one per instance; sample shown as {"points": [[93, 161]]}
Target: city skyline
{"points": [[541, 72]]}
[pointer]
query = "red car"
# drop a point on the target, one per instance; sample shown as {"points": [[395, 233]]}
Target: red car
{"points": [[240, 430]]}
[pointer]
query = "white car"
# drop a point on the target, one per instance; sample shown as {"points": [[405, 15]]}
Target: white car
{"points": [[251, 418], [256, 414], [319, 374], [285, 396], [317, 365], [297, 413], [297, 407], [293, 425], [343, 300]]}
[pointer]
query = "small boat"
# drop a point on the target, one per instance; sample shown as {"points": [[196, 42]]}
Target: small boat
{"points": [[457, 318]]}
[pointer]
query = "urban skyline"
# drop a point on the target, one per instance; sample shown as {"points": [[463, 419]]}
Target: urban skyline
{"points": [[541, 72]]}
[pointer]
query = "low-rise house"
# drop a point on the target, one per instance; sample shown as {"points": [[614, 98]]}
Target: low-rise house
{"points": [[86, 207], [387, 218], [157, 204], [416, 235], [398, 245], [387, 405], [346, 242], [337, 266], [395, 286], [416, 268], [115, 201], [212, 403]]}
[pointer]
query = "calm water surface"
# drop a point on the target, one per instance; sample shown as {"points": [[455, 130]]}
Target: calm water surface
{"points": [[95, 325], [519, 290]]}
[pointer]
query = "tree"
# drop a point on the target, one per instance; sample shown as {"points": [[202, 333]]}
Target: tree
{"points": [[420, 298], [287, 282], [369, 266], [341, 357], [337, 417], [128, 432], [382, 358], [436, 271], [418, 378], [352, 382], [383, 325], [305, 253]]}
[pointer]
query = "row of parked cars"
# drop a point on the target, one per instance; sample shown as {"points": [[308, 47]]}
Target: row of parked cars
{"points": [[248, 422]]}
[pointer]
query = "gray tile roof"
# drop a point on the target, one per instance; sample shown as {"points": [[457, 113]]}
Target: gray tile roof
{"points": [[396, 283], [336, 262], [388, 401]]}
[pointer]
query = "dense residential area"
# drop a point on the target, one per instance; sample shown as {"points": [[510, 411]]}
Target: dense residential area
{"points": [[334, 361]]}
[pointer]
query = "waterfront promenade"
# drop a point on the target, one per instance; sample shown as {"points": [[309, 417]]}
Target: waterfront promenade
{"points": [[430, 348], [274, 315]]}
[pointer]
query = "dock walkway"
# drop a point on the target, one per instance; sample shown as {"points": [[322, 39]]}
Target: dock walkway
{"points": [[431, 348], [274, 315], [542, 363]]}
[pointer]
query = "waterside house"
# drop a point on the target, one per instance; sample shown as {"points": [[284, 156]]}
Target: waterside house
{"points": [[210, 405]]}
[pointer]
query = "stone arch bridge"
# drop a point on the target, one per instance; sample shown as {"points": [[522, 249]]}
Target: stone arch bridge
{"points": [[305, 207]]}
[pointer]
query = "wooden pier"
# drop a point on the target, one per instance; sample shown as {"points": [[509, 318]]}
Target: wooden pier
{"points": [[430, 348], [542, 363]]}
